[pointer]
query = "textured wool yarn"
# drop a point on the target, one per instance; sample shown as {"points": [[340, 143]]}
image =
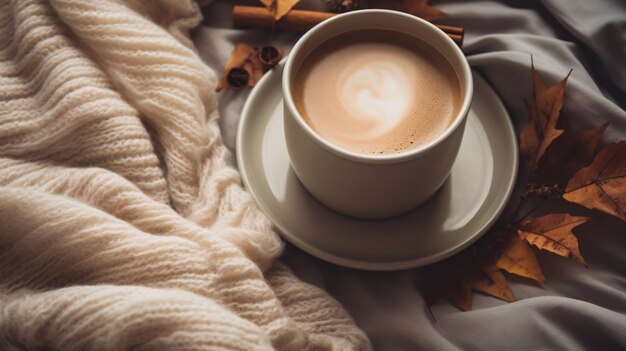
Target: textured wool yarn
{"points": [[123, 224]]}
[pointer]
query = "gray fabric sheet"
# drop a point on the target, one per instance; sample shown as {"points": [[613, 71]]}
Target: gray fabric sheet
{"points": [[577, 308]]}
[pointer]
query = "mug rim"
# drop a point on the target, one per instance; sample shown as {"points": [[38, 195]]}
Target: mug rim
{"points": [[406, 155]]}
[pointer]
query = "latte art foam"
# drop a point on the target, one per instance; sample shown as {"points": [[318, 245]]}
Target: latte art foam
{"points": [[377, 92], [374, 92]]}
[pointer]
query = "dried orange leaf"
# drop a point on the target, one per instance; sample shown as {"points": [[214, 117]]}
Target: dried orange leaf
{"points": [[547, 100], [555, 154], [519, 259], [549, 135], [279, 7], [284, 6], [460, 295], [529, 137], [419, 8], [544, 112], [567, 154], [451, 279], [602, 185], [455, 278], [553, 232], [270, 4], [494, 283]]}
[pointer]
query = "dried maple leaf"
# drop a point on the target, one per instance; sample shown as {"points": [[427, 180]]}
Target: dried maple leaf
{"points": [[602, 184], [544, 112], [553, 232], [459, 294], [279, 7], [450, 279], [494, 283], [419, 8], [567, 154], [455, 278], [518, 258], [556, 155]]}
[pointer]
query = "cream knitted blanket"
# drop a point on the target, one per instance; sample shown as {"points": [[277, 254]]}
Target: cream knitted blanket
{"points": [[122, 223]]}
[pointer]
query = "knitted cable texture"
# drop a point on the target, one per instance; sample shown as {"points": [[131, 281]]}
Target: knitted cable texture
{"points": [[122, 222]]}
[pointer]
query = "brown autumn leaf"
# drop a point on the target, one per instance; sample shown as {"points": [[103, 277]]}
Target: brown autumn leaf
{"points": [[493, 283], [529, 137], [567, 154], [556, 154], [279, 7], [455, 278], [518, 258], [544, 112], [553, 232], [602, 184], [419, 8], [246, 65], [452, 280], [449, 279]]}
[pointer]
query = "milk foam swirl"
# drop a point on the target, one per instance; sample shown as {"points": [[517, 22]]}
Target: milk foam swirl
{"points": [[374, 92]]}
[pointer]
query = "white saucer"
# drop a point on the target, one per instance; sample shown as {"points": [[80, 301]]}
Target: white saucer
{"points": [[477, 191]]}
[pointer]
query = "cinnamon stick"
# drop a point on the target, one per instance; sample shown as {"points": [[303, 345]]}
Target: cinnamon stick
{"points": [[261, 17], [301, 21], [451, 29], [457, 38]]}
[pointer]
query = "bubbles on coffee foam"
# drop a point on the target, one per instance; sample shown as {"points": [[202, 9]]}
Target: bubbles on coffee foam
{"points": [[408, 131]]}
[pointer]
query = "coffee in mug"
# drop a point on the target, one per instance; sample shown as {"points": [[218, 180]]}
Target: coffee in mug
{"points": [[377, 91], [375, 105]]}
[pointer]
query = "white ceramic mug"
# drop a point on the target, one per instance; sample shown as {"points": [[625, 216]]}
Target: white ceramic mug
{"points": [[372, 186]]}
